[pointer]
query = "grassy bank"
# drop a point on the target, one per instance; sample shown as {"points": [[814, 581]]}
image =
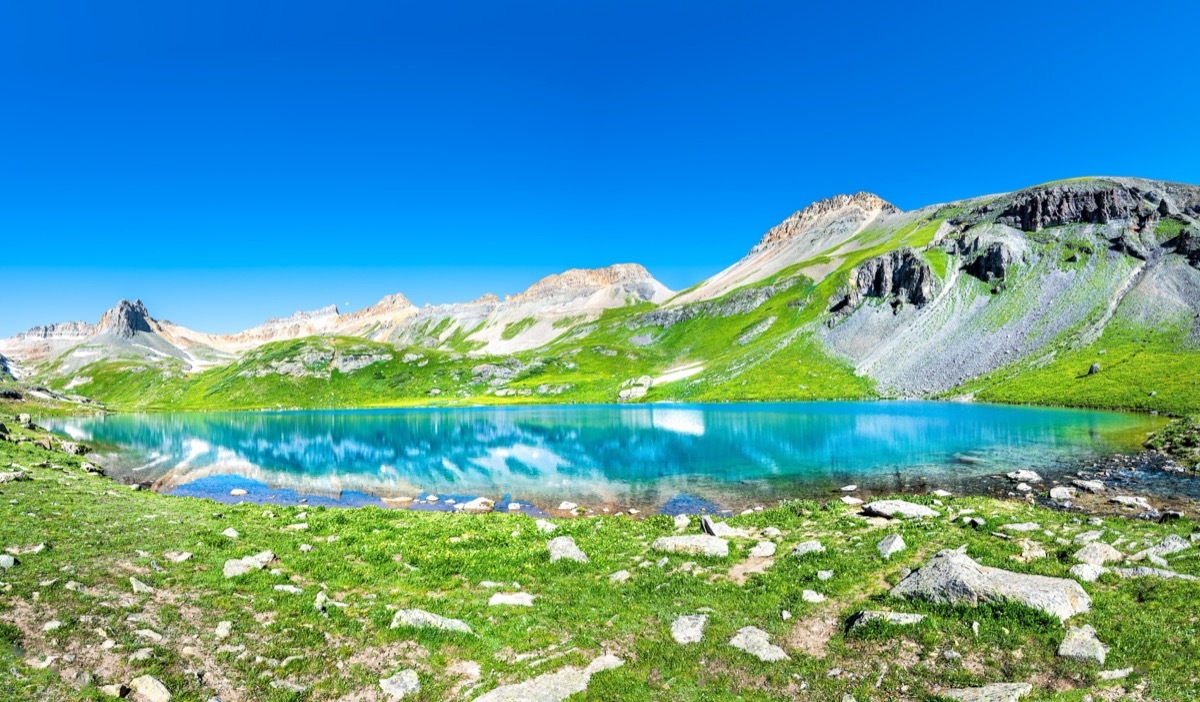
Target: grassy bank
{"points": [[280, 647]]}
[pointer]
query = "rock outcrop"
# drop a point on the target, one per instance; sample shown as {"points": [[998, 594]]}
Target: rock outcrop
{"points": [[125, 319], [991, 264], [1067, 203], [899, 276], [1186, 244]]}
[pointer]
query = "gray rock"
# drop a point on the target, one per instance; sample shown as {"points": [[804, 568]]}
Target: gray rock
{"points": [[140, 588], [517, 599], [807, 547], [1088, 573], [1146, 572], [892, 543], [812, 596], [1022, 527], [757, 643], [682, 521], [1081, 644], [1098, 553], [763, 549], [951, 577], [852, 501], [7, 561], [1088, 537], [563, 547], [1171, 544], [698, 544], [401, 684], [1093, 486], [619, 577], [240, 566], [420, 619], [997, 692], [150, 689], [689, 628], [1138, 502], [824, 574], [898, 509], [1062, 494], [1114, 674], [479, 505], [893, 618], [552, 687], [1024, 476]]}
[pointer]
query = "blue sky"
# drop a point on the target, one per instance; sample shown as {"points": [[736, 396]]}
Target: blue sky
{"points": [[230, 161]]}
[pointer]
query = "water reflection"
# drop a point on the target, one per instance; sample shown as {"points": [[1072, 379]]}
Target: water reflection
{"points": [[603, 454]]}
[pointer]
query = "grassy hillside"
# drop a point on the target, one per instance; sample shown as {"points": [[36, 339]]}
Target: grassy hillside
{"points": [[280, 647]]}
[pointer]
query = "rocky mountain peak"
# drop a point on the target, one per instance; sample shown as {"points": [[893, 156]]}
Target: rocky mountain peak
{"points": [[858, 207], [125, 319], [586, 280], [396, 301]]}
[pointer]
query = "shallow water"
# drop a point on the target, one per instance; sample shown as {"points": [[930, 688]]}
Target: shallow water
{"points": [[657, 457]]}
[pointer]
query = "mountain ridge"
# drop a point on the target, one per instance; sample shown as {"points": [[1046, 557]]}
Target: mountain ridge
{"points": [[849, 296]]}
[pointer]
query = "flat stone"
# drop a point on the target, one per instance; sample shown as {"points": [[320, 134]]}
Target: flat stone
{"points": [[688, 628], [7, 561], [893, 509], [824, 574], [849, 488], [240, 566], [1088, 573], [1081, 644], [237, 492], [290, 589], [694, 544], [150, 689], [1088, 537], [852, 501], [1147, 572], [420, 619], [812, 596], [1024, 487], [682, 521], [997, 692], [942, 493], [568, 506], [1170, 545], [1022, 527], [763, 549], [893, 618], [401, 684], [178, 556], [1093, 486], [544, 526], [1138, 502], [552, 687], [114, 690], [140, 588], [1024, 476], [807, 547], [892, 543], [1098, 553], [1030, 551], [230, 532], [563, 547], [757, 643], [518, 599], [951, 577], [619, 577], [1114, 674]]}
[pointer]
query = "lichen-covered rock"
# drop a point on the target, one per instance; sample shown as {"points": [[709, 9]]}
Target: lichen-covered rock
{"points": [[420, 619], [893, 509], [1081, 644], [757, 643], [952, 577]]}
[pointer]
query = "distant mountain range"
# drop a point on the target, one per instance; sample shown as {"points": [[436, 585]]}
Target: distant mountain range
{"points": [[1080, 292]]}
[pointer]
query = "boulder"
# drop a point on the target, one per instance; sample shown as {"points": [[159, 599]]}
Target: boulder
{"points": [[1062, 494], [901, 509], [401, 684], [757, 643], [996, 692], [1081, 644], [479, 505], [240, 566], [763, 549], [563, 547], [1088, 573], [1093, 486], [1024, 476], [697, 544], [149, 689], [420, 619], [807, 547], [721, 529], [1098, 553], [7, 561], [951, 577], [892, 543], [552, 687], [689, 628], [893, 618]]}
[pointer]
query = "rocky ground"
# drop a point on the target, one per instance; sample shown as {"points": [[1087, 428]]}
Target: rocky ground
{"points": [[110, 591]]}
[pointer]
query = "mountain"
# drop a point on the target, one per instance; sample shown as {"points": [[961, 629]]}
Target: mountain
{"points": [[1082, 292]]}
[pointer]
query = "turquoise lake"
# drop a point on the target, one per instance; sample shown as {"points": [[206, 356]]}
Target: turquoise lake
{"points": [[650, 457]]}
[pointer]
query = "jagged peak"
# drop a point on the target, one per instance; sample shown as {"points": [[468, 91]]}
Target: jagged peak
{"points": [[587, 279], [862, 204], [392, 301], [125, 319], [301, 315]]}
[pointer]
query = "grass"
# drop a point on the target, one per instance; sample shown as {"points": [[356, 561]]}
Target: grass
{"points": [[512, 330], [373, 560]]}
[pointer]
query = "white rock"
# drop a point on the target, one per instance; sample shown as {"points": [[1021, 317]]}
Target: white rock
{"points": [[619, 577], [849, 488], [1088, 573], [812, 596], [568, 506], [420, 619], [1081, 644], [544, 526], [892, 543], [517, 599], [696, 544], [223, 630], [807, 547], [757, 643], [237, 492], [563, 547], [763, 549], [1024, 476], [150, 689], [401, 684], [898, 509], [230, 532], [682, 521], [689, 628], [852, 501]]}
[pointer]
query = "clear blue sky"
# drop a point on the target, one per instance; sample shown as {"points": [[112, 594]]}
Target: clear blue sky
{"points": [[230, 161]]}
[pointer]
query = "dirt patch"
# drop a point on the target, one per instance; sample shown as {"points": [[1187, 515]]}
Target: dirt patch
{"points": [[811, 635], [741, 572]]}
